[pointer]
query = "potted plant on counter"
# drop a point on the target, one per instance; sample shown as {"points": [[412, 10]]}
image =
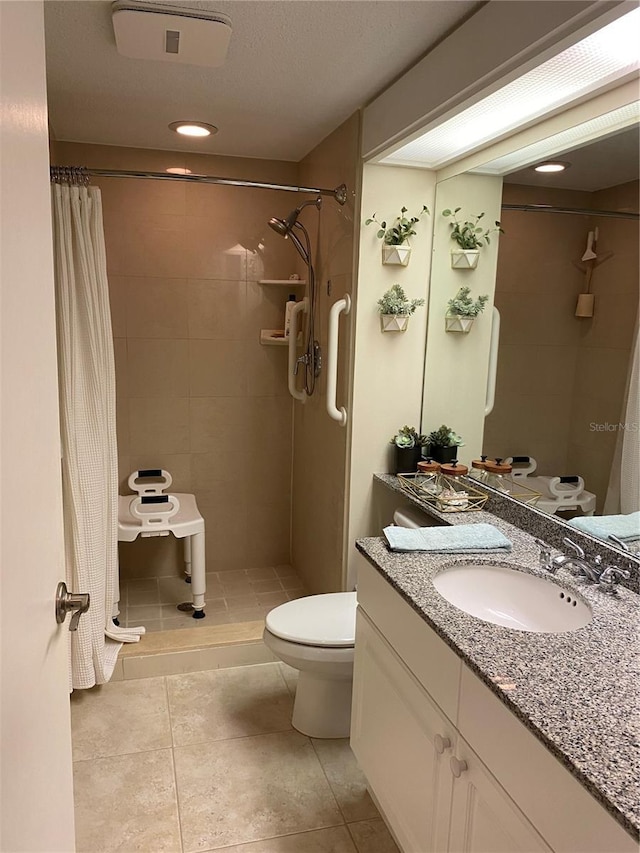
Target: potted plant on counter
{"points": [[462, 310], [408, 449], [395, 308], [443, 444], [395, 246], [470, 237]]}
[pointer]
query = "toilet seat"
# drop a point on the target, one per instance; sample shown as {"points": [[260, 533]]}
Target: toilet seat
{"points": [[327, 620]]}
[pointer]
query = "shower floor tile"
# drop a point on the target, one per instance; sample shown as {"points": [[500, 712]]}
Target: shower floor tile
{"points": [[218, 768], [231, 597]]}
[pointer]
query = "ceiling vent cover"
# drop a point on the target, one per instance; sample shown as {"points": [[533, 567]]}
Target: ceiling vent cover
{"points": [[170, 33]]}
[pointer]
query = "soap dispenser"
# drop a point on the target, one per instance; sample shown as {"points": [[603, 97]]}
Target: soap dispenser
{"points": [[287, 313]]}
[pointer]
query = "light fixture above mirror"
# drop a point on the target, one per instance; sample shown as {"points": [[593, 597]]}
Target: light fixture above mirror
{"points": [[604, 59]]}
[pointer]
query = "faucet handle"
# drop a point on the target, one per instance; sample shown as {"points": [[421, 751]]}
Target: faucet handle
{"points": [[576, 548], [619, 543], [611, 576], [546, 561]]}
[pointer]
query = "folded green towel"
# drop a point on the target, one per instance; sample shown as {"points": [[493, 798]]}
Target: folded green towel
{"points": [[458, 539], [625, 527]]}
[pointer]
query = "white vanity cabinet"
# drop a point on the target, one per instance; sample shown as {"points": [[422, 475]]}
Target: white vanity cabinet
{"points": [[450, 766], [401, 740]]}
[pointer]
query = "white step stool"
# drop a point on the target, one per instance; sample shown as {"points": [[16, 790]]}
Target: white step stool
{"points": [[152, 512]]}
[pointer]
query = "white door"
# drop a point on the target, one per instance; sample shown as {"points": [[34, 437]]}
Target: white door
{"points": [[36, 769]]}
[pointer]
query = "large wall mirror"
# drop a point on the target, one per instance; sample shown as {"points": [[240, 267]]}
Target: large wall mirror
{"points": [[565, 398]]}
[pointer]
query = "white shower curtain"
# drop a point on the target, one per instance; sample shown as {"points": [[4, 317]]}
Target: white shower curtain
{"points": [[623, 494], [88, 433]]}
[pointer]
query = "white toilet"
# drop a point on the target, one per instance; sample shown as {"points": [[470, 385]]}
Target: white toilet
{"points": [[316, 635]]}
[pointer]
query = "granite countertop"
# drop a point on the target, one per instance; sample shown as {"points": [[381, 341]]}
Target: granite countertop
{"points": [[576, 691]]}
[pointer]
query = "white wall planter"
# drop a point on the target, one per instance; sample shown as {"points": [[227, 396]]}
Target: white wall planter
{"points": [[464, 259], [458, 323], [394, 322], [396, 255]]}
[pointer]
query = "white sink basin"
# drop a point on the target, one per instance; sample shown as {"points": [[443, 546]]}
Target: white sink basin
{"points": [[511, 598]]}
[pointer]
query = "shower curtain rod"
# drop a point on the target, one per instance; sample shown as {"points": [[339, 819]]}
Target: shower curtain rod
{"points": [[80, 173], [578, 211]]}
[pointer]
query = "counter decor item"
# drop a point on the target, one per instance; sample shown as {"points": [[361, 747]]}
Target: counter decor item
{"points": [[395, 309], [470, 237], [462, 311], [446, 492], [395, 246], [408, 448], [443, 444]]}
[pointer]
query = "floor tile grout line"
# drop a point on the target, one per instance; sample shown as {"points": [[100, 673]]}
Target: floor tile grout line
{"points": [[275, 837], [290, 730], [324, 773], [123, 754], [173, 762]]}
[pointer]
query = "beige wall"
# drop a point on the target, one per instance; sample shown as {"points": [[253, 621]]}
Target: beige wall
{"points": [[557, 374], [388, 367], [197, 393], [321, 444], [455, 380], [605, 342]]}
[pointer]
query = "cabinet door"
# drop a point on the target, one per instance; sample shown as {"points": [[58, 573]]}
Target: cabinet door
{"points": [[484, 819], [395, 728]]}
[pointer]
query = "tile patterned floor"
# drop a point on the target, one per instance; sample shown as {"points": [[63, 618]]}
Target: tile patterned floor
{"points": [[231, 597], [209, 761]]}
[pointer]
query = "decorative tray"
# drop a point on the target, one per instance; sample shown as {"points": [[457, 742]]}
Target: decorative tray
{"points": [[446, 494]]}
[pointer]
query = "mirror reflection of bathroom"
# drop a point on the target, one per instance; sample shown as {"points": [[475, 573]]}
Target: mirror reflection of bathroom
{"points": [[567, 291]]}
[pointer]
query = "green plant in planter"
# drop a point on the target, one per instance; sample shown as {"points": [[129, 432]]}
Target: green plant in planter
{"points": [[408, 449], [469, 234], [408, 437], [401, 229], [463, 305], [444, 436], [395, 301]]}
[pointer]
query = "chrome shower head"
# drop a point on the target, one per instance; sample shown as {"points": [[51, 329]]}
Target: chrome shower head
{"points": [[279, 226], [285, 226]]}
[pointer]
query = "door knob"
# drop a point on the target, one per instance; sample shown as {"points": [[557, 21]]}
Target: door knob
{"points": [[458, 766], [441, 743], [75, 603]]}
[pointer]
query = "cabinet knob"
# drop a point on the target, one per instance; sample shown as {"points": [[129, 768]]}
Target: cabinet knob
{"points": [[458, 766], [441, 743]]}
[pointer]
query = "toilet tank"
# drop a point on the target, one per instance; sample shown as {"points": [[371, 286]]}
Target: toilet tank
{"points": [[412, 517]]}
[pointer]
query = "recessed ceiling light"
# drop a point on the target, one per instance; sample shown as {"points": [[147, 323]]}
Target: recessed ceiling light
{"points": [[178, 170], [552, 166], [193, 128]]}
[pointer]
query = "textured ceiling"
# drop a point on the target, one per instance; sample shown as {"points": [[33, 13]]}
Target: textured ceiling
{"points": [[606, 163], [295, 70]]}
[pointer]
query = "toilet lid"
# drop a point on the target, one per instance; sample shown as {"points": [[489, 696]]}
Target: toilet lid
{"points": [[316, 620]]}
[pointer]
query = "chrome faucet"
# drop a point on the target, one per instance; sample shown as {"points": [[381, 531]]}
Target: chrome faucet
{"points": [[577, 563]]}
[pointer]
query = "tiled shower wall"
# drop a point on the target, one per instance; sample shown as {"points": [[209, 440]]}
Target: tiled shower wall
{"points": [[558, 374], [196, 392]]}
